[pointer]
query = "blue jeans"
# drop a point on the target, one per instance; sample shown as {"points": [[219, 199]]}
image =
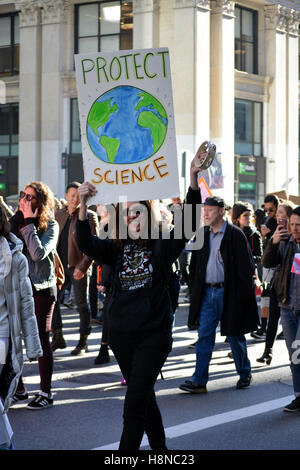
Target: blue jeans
{"points": [[290, 321], [210, 315]]}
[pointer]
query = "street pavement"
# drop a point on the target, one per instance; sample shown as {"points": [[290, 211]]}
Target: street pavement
{"points": [[88, 399]]}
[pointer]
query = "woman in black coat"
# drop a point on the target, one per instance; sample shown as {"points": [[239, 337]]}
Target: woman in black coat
{"points": [[139, 313], [241, 217]]}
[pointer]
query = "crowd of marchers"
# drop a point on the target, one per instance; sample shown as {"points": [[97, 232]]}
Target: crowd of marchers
{"points": [[245, 277]]}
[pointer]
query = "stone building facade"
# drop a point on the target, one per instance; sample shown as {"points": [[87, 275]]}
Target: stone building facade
{"points": [[235, 75]]}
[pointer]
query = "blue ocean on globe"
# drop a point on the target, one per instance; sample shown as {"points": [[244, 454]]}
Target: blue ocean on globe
{"points": [[126, 125]]}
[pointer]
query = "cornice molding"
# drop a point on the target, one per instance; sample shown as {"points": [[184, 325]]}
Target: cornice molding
{"points": [[282, 19], [29, 13], [35, 12], [54, 11], [178, 4], [224, 7]]}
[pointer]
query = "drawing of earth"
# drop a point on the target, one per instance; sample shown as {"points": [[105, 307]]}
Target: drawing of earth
{"points": [[126, 125]]}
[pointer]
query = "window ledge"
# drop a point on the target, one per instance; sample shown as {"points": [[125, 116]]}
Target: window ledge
{"points": [[252, 87]]}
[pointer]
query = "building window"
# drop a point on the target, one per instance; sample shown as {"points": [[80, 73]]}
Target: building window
{"points": [[103, 26], [9, 130], [248, 128], [246, 40], [9, 44]]}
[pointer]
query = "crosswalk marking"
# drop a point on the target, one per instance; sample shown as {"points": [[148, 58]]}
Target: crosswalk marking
{"points": [[215, 420]]}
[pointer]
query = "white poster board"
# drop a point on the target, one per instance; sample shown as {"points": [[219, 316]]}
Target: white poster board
{"points": [[127, 124]]}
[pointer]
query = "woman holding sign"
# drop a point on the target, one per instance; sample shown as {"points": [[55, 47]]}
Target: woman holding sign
{"points": [[140, 314]]}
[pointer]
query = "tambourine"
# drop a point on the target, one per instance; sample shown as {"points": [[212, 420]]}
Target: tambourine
{"points": [[205, 155]]}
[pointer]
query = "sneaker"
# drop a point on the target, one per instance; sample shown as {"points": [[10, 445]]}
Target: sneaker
{"points": [[41, 401], [192, 387], [123, 382], [259, 334], [293, 406], [19, 397], [245, 382]]}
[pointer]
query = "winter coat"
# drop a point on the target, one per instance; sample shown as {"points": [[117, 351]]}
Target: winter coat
{"points": [[21, 316], [286, 283], [240, 313], [255, 242], [38, 247], [76, 259]]}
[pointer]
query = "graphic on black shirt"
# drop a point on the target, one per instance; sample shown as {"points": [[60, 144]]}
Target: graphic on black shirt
{"points": [[136, 271]]}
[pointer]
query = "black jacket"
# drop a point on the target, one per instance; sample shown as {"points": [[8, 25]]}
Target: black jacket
{"points": [[240, 313], [146, 308], [281, 256], [255, 242]]}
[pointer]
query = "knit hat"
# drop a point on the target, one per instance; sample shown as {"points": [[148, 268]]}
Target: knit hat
{"points": [[239, 208], [214, 201]]}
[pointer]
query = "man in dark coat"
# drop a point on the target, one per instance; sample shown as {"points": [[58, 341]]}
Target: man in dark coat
{"points": [[223, 290]]}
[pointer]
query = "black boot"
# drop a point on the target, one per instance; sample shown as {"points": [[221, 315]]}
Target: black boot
{"points": [[58, 341], [81, 346], [266, 358], [103, 356]]}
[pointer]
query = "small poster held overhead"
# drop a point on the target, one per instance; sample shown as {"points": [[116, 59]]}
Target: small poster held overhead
{"points": [[127, 124]]}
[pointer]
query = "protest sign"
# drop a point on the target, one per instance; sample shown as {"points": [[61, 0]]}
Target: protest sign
{"points": [[127, 124], [205, 191], [296, 264], [213, 176]]}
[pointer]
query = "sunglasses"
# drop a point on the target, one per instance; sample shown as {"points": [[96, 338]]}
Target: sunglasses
{"points": [[28, 197]]}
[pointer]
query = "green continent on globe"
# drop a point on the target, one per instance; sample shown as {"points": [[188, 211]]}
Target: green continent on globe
{"points": [[148, 100], [157, 128], [150, 120], [111, 146], [100, 113]]}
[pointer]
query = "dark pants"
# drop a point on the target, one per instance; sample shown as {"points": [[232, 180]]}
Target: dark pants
{"points": [[104, 338], [44, 305], [274, 315], [184, 262], [141, 357], [93, 292], [81, 289]]}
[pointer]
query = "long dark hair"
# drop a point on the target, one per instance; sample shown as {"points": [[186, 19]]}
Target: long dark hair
{"points": [[46, 200], [153, 217], [5, 225]]}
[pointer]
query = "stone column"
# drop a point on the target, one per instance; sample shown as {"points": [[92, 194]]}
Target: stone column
{"points": [[292, 102], [222, 89], [53, 19], [202, 73], [183, 73], [30, 88], [276, 68], [146, 24]]}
